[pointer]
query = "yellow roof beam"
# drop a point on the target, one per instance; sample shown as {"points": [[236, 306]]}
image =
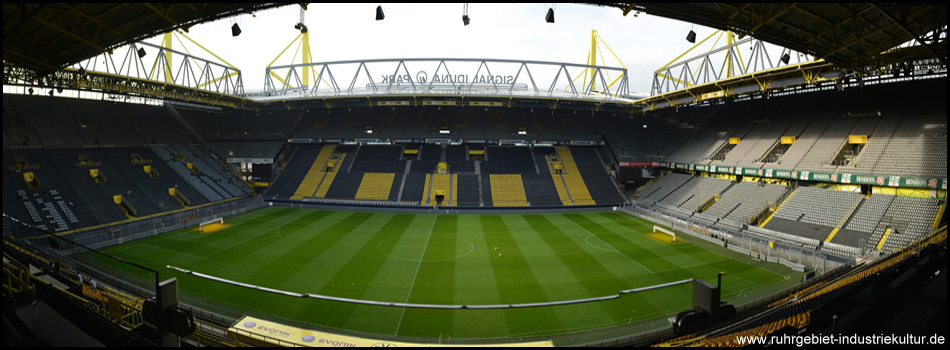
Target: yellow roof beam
{"points": [[206, 50], [592, 61]]}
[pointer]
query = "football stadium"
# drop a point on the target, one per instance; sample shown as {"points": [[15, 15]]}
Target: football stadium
{"points": [[784, 183]]}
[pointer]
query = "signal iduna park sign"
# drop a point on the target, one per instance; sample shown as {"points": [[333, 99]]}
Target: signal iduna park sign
{"points": [[422, 77]]}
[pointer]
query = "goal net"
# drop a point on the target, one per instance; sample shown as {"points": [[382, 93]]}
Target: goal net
{"points": [[663, 230], [202, 225]]}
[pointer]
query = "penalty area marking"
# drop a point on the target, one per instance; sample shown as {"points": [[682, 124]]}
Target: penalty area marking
{"points": [[587, 240], [612, 247]]}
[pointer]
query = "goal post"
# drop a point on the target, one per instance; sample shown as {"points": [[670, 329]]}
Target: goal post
{"points": [[210, 222], [663, 230]]}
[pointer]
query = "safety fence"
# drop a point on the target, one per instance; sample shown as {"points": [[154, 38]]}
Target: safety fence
{"points": [[795, 252]]}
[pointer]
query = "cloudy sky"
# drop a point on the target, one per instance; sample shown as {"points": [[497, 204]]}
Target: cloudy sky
{"points": [[341, 32]]}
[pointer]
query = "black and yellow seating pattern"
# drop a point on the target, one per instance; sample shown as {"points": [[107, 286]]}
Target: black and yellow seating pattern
{"points": [[375, 186], [507, 191], [445, 185], [572, 177], [310, 182]]}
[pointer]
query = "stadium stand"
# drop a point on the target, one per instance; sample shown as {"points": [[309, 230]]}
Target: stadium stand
{"points": [[918, 147], [216, 171], [909, 218], [776, 148], [78, 199], [507, 191], [412, 190], [237, 125], [790, 159], [814, 212], [379, 159], [444, 185], [697, 190], [573, 179], [397, 186], [456, 154], [156, 188], [912, 145], [540, 190], [743, 200], [662, 187], [754, 145], [877, 143], [340, 185], [819, 156], [315, 175], [375, 186], [468, 191], [332, 168], [650, 138], [508, 160], [486, 190], [869, 214], [301, 159]]}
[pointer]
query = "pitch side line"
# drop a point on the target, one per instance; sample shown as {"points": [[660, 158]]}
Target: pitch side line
{"points": [[417, 273], [427, 306]]}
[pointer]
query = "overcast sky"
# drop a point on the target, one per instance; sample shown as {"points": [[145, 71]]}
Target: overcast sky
{"points": [[497, 31]]}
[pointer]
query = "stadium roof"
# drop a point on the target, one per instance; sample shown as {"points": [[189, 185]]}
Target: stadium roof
{"points": [[850, 35], [45, 37]]}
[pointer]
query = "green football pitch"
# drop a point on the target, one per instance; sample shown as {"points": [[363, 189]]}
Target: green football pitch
{"points": [[447, 259]]}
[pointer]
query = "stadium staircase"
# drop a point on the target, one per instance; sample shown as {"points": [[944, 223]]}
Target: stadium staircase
{"points": [[328, 176], [573, 181], [844, 220], [125, 206], [440, 184], [179, 197], [316, 175], [559, 184]]}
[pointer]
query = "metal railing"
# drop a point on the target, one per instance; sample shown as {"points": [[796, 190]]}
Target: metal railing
{"points": [[796, 254], [123, 232]]}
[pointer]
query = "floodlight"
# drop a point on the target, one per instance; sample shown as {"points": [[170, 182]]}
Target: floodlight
{"points": [[785, 58], [691, 37], [235, 30], [465, 18], [379, 13], [550, 16]]}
